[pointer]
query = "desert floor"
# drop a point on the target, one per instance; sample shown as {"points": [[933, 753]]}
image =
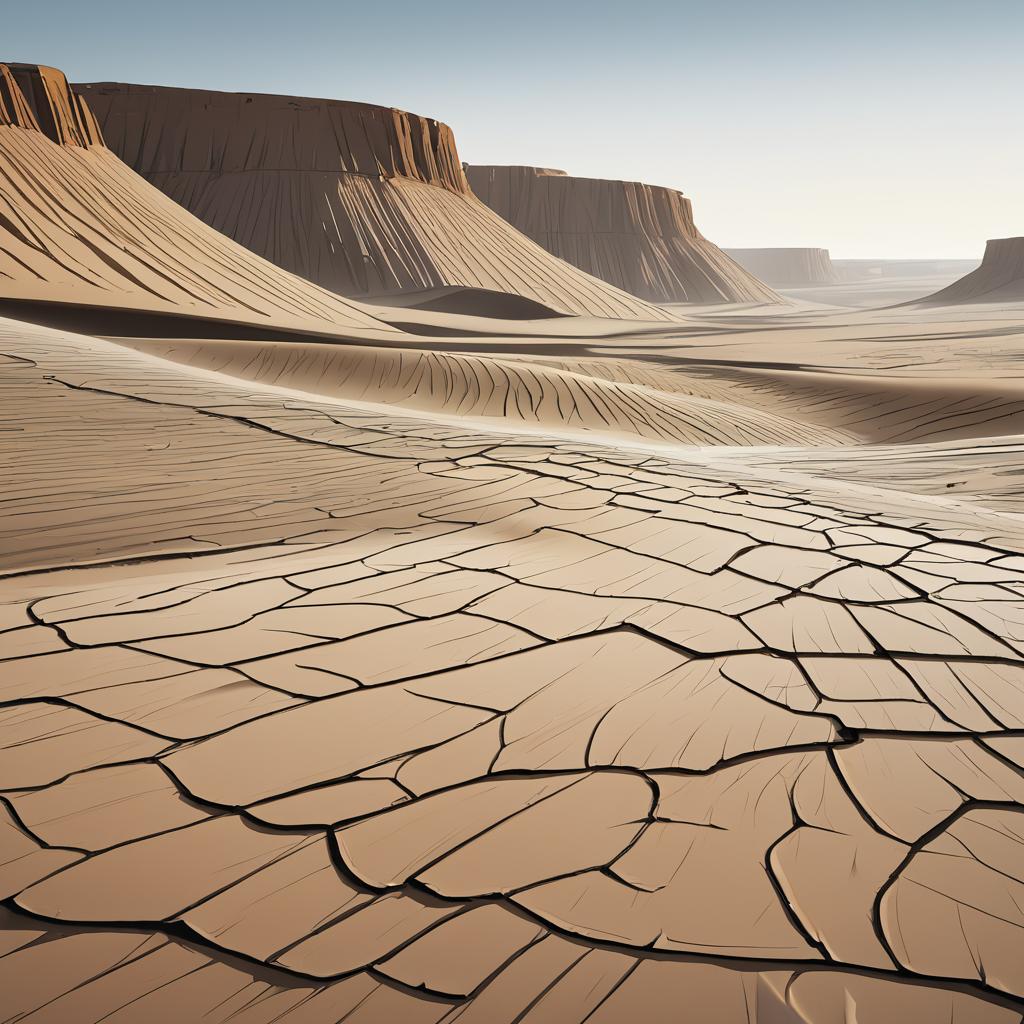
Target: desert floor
{"points": [[534, 671]]}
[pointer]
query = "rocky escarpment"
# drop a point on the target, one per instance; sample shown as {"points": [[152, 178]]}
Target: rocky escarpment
{"points": [[38, 98], [361, 199], [79, 228], [788, 268], [641, 238], [1000, 278]]}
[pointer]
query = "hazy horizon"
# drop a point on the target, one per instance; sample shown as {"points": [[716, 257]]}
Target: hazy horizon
{"points": [[877, 131]]}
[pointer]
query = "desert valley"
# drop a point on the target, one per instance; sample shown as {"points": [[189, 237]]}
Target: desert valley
{"points": [[437, 591]]}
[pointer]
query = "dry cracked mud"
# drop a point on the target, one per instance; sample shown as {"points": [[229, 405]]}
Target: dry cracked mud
{"points": [[317, 711]]}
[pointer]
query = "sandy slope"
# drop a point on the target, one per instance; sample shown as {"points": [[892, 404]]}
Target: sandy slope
{"points": [[361, 199], [638, 237], [1000, 278], [508, 392], [78, 226]]}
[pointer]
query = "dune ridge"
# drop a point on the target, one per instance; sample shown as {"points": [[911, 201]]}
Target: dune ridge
{"points": [[361, 199], [509, 391], [641, 238]]}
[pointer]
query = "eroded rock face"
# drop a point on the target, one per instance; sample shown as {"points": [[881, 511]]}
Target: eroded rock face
{"points": [[639, 237], [1000, 278], [198, 131], [788, 268], [78, 227], [361, 199], [37, 97]]}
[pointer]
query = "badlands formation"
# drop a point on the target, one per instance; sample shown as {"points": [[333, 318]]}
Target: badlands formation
{"points": [[360, 199], [383, 664], [1000, 278], [637, 237], [79, 229]]}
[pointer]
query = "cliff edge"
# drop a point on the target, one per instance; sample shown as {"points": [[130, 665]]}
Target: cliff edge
{"points": [[641, 238], [360, 199], [38, 98], [79, 228]]}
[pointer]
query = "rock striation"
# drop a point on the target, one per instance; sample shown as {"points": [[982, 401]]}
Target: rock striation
{"points": [[361, 199], [37, 97], [78, 227], [788, 268], [640, 238], [1000, 278]]}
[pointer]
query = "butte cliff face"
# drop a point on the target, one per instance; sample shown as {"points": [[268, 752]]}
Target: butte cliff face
{"points": [[788, 268], [80, 228], [641, 238], [36, 97], [361, 199], [1000, 278]]}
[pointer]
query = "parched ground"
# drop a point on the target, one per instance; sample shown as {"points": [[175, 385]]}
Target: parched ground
{"points": [[318, 710]]}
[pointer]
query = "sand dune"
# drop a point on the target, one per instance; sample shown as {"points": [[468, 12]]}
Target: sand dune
{"points": [[360, 199], [882, 409], [787, 268], [506, 391], [80, 227], [639, 237], [1000, 278]]}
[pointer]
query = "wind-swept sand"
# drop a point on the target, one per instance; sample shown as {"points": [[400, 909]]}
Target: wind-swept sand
{"points": [[638, 237], [531, 685], [529, 671], [363, 200], [869, 283], [508, 391]]}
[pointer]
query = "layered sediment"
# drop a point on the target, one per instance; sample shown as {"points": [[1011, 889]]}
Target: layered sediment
{"points": [[1000, 278], [788, 267], [361, 199], [37, 97], [641, 238], [80, 228]]}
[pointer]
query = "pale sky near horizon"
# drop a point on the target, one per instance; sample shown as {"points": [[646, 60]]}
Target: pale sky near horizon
{"points": [[875, 129]]}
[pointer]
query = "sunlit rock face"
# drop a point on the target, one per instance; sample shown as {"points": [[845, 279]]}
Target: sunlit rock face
{"points": [[361, 199], [639, 237], [78, 228]]}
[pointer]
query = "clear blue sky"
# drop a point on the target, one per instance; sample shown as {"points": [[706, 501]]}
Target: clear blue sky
{"points": [[874, 127]]}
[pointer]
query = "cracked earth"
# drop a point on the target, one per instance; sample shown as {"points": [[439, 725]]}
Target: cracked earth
{"points": [[319, 710]]}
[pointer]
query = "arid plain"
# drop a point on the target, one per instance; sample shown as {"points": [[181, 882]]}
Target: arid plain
{"points": [[436, 592]]}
